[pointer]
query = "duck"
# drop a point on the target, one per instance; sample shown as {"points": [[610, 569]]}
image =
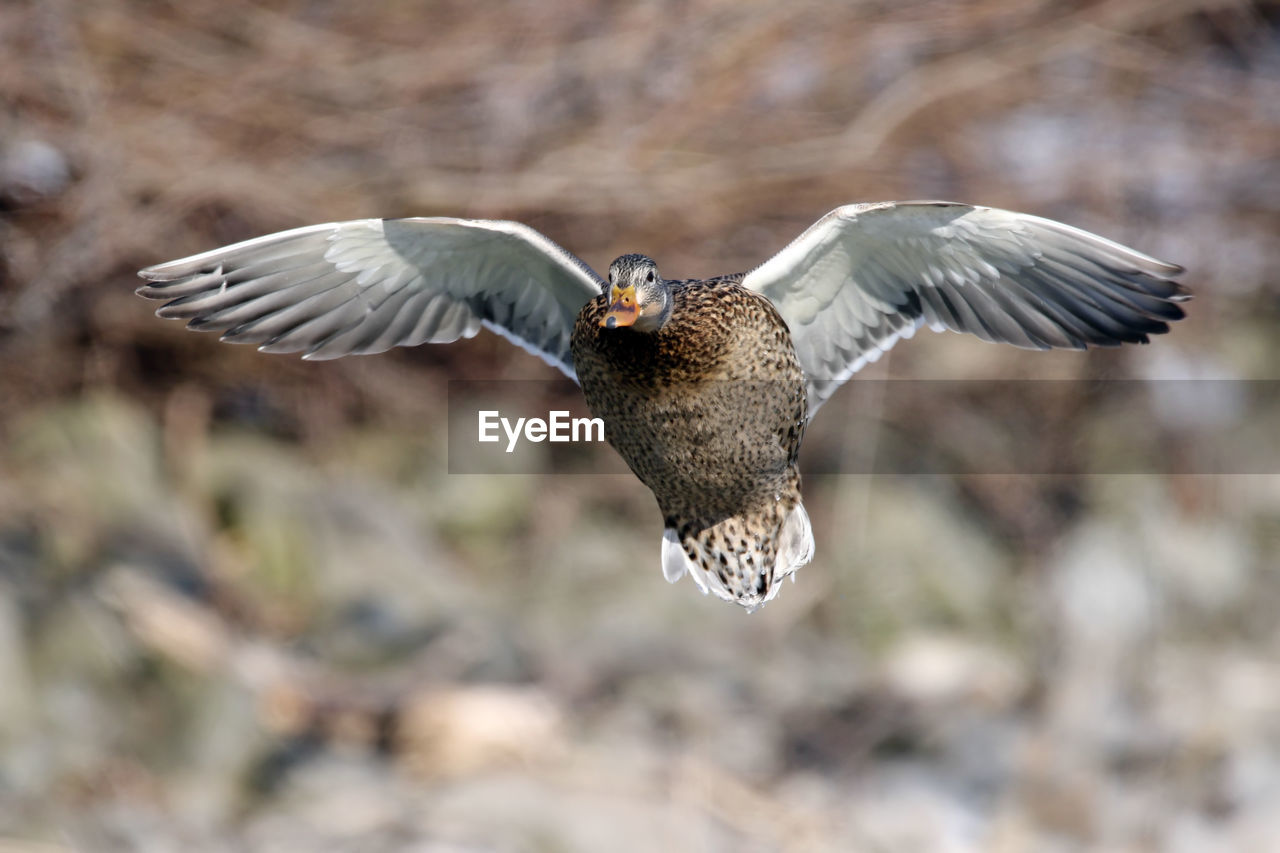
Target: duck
{"points": [[705, 386]]}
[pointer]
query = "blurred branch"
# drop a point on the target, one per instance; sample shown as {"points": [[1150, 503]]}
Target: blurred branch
{"points": [[582, 178], [876, 123]]}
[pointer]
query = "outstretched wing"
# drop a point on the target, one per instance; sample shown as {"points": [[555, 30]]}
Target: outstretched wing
{"points": [[371, 284], [866, 275]]}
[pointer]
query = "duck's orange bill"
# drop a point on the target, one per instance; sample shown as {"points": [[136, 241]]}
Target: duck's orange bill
{"points": [[623, 310]]}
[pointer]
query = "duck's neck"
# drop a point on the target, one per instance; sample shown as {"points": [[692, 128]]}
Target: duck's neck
{"points": [[654, 322]]}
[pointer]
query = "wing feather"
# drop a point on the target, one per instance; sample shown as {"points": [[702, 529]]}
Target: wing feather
{"points": [[368, 285], [866, 275]]}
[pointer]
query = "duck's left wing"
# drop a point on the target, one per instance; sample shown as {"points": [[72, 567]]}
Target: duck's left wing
{"points": [[371, 284], [866, 275]]}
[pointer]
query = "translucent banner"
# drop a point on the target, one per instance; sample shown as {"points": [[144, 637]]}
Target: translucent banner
{"points": [[907, 427]]}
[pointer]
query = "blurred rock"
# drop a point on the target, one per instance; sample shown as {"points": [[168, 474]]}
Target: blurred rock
{"points": [[463, 730], [1106, 608], [952, 671], [32, 169]]}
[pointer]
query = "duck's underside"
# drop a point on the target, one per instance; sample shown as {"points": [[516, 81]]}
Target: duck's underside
{"points": [[712, 422]]}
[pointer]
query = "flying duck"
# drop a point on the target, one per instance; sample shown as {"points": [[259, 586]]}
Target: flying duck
{"points": [[704, 386]]}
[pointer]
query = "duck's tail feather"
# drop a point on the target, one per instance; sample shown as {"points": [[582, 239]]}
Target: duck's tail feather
{"points": [[743, 558]]}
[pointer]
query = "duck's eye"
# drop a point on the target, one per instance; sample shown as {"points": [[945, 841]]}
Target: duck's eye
{"points": [[649, 277]]}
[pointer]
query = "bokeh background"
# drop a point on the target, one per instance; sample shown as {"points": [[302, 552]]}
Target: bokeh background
{"points": [[244, 605]]}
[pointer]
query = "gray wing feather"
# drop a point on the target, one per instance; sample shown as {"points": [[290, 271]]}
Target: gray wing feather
{"points": [[867, 275], [368, 285]]}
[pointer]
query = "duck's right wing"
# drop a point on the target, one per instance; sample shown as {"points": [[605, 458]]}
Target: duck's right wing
{"points": [[371, 284]]}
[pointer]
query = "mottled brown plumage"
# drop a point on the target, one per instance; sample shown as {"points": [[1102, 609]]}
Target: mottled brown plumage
{"points": [[709, 412]]}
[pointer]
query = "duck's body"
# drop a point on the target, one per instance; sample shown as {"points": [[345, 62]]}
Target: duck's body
{"points": [[709, 412], [704, 387]]}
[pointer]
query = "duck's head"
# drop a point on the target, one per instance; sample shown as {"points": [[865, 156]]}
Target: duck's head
{"points": [[638, 297]]}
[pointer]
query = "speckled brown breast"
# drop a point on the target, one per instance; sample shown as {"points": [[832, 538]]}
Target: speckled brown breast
{"points": [[709, 411]]}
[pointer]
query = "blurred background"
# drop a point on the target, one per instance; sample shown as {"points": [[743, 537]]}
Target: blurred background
{"points": [[244, 605]]}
